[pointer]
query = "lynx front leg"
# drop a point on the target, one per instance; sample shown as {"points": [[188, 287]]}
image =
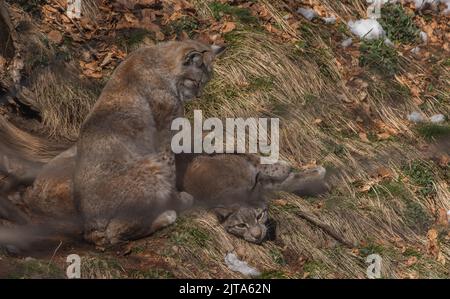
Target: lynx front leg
{"points": [[165, 219]]}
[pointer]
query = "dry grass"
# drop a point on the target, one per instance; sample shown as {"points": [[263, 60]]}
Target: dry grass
{"points": [[301, 81]]}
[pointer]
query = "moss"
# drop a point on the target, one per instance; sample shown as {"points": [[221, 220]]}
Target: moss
{"points": [[372, 248], [432, 131], [390, 90], [278, 109], [412, 252], [314, 268], [260, 83], [186, 24], [187, 234], [416, 217], [277, 257], [36, 269], [421, 175], [379, 57], [389, 188], [101, 267], [272, 274], [240, 14], [151, 274], [398, 24]]}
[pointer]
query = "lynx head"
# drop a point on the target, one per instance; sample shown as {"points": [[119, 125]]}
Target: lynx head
{"points": [[247, 222], [191, 66]]}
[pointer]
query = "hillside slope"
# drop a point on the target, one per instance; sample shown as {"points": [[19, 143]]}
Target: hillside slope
{"points": [[345, 108]]}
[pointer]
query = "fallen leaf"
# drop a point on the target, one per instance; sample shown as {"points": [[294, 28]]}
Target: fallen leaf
{"points": [[432, 242], [444, 160], [228, 27], [411, 261], [55, 36], [442, 218], [317, 121], [363, 137], [383, 172], [384, 136]]}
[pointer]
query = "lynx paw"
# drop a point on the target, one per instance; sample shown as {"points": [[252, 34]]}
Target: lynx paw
{"points": [[165, 219]]}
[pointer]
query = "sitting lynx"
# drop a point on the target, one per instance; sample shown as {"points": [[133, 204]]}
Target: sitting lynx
{"points": [[122, 168], [124, 175]]}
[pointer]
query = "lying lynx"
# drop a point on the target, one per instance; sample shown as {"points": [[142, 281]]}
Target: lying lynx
{"points": [[236, 188]]}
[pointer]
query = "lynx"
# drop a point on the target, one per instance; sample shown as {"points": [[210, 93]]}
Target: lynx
{"points": [[124, 175], [237, 188]]}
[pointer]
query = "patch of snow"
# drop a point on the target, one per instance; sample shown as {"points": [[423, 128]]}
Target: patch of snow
{"points": [[415, 50], [235, 264], [416, 117], [329, 20], [347, 42], [366, 28], [389, 43], [447, 10], [437, 118], [307, 13], [424, 37]]}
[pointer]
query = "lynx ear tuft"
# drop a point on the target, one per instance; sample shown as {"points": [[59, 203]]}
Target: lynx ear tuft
{"points": [[217, 50]]}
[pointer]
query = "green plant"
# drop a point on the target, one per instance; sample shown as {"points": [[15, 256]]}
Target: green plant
{"points": [[242, 15], [398, 24], [186, 24], [431, 131], [379, 57], [277, 257], [272, 275], [422, 176]]}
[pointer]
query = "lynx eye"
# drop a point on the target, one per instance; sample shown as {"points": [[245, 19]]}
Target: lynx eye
{"points": [[241, 225]]}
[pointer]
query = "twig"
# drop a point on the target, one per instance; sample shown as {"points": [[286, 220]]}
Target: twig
{"points": [[54, 253], [325, 228]]}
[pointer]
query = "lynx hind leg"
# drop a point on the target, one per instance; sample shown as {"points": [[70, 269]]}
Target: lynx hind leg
{"points": [[279, 170], [119, 231], [305, 183]]}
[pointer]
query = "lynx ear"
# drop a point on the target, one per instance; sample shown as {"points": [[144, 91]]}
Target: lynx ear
{"points": [[222, 213], [217, 50]]}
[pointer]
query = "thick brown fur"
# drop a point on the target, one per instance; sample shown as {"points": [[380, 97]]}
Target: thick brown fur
{"points": [[124, 176]]}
